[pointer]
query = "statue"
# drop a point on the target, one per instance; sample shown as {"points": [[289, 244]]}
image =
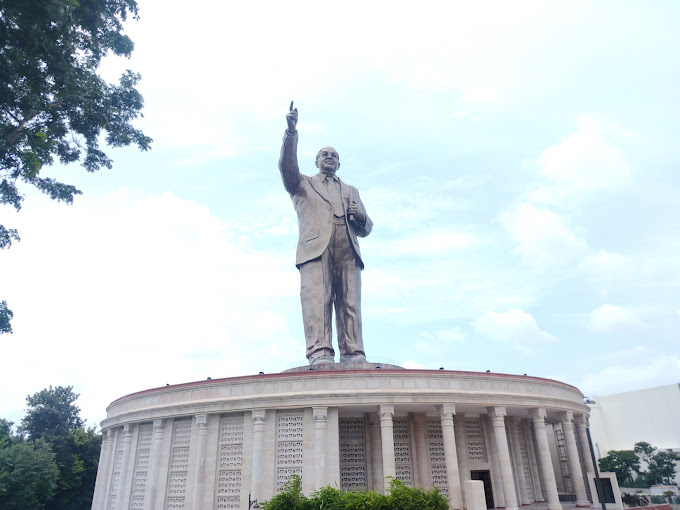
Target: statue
{"points": [[330, 217]]}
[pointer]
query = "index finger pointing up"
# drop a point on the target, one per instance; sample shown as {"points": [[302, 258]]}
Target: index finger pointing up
{"points": [[291, 106]]}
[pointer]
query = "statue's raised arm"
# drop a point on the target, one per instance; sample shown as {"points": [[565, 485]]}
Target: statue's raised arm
{"points": [[288, 164]]}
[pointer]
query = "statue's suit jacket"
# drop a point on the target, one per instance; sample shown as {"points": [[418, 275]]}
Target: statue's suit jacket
{"points": [[314, 209]]}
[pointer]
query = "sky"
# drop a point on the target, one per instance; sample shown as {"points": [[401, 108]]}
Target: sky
{"points": [[519, 161]]}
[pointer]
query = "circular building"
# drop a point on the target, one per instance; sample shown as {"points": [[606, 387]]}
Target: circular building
{"points": [[224, 443]]}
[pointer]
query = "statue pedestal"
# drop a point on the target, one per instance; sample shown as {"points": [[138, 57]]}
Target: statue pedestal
{"points": [[225, 442], [348, 365]]}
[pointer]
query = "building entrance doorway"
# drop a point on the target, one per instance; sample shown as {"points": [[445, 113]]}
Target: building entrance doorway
{"points": [[485, 478]]}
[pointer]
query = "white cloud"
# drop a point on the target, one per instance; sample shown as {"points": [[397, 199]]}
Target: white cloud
{"points": [[514, 327], [582, 164], [153, 287], [652, 369], [542, 237], [430, 244], [441, 340], [613, 319], [608, 267]]}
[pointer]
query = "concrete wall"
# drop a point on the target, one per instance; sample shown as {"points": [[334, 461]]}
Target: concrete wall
{"points": [[619, 421]]}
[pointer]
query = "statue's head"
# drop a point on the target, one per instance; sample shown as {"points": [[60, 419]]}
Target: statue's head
{"points": [[328, 160]]}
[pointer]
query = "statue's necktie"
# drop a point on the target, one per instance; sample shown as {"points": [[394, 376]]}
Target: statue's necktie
{"points": [[334, 191]]}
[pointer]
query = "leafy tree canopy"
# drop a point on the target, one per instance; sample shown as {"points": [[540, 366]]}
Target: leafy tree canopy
{"points": [[28, 475], [621, 462], [53, 104], [51, 413], [662, 467], [644, 450], [53, 416]]}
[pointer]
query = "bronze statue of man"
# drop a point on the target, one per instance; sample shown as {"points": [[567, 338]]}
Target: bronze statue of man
{"points": [[330, 217]]}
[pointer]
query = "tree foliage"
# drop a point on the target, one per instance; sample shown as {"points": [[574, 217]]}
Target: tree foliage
{"points": [[399, 497], [644, 450], [5, 315], [53, 417], [28, 475], [622, 462], [53, 104], [661, 467]]}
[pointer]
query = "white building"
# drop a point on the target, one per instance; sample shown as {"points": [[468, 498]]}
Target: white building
{"points": [[619, 421], [219, 444]]}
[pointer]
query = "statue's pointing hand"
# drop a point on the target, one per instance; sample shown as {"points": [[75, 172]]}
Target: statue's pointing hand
{"points": [[292, 118]]}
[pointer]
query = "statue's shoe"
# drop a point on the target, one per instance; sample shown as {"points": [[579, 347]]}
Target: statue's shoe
{"points": [[352, 358], [322, 360]]}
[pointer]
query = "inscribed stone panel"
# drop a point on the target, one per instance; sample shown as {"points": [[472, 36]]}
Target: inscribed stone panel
{"points": [[352, 454], [475, 439], [289, 455], [229, 462]]}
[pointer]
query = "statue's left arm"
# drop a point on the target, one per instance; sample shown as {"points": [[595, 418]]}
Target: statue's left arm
{"points": [[362, 223]]}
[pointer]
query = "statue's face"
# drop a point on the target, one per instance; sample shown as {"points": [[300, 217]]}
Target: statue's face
{"points": [[328, 160]]}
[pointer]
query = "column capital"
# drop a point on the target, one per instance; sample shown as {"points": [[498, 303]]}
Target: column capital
{"points": [[582, 420], [259, 415], [538, 414], [386, 411], [159, 424], [566, 417], [127, 429], [202, 420], [109, 434], [446, 410], [320, 413], [497, 414]]}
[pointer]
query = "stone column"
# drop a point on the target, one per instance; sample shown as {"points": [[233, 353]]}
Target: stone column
{"points": [[102, 488], [501, 439], [100, 474], [258, 454], [461, 452], [376, 454], [490, 444], [387, 439], [581, 423], [320, 415], [202, 424], [420, 436], [368, 449], [446, 412], [122, 477], [533, 462], [543, 452], [155, 466], [513, 433], [567, 418]]}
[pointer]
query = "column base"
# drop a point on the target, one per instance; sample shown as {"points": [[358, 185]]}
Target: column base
{"points": [[583, 504]]}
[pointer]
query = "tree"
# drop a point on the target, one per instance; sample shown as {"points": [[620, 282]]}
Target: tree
{"points": [[53, 104], [662, 467], [51, 413], [644, 450], [28, 475], [5, 314], [52, 416], [621, 462]]}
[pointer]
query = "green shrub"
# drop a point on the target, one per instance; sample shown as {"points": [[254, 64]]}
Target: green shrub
{"points": [[399, 497]]}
